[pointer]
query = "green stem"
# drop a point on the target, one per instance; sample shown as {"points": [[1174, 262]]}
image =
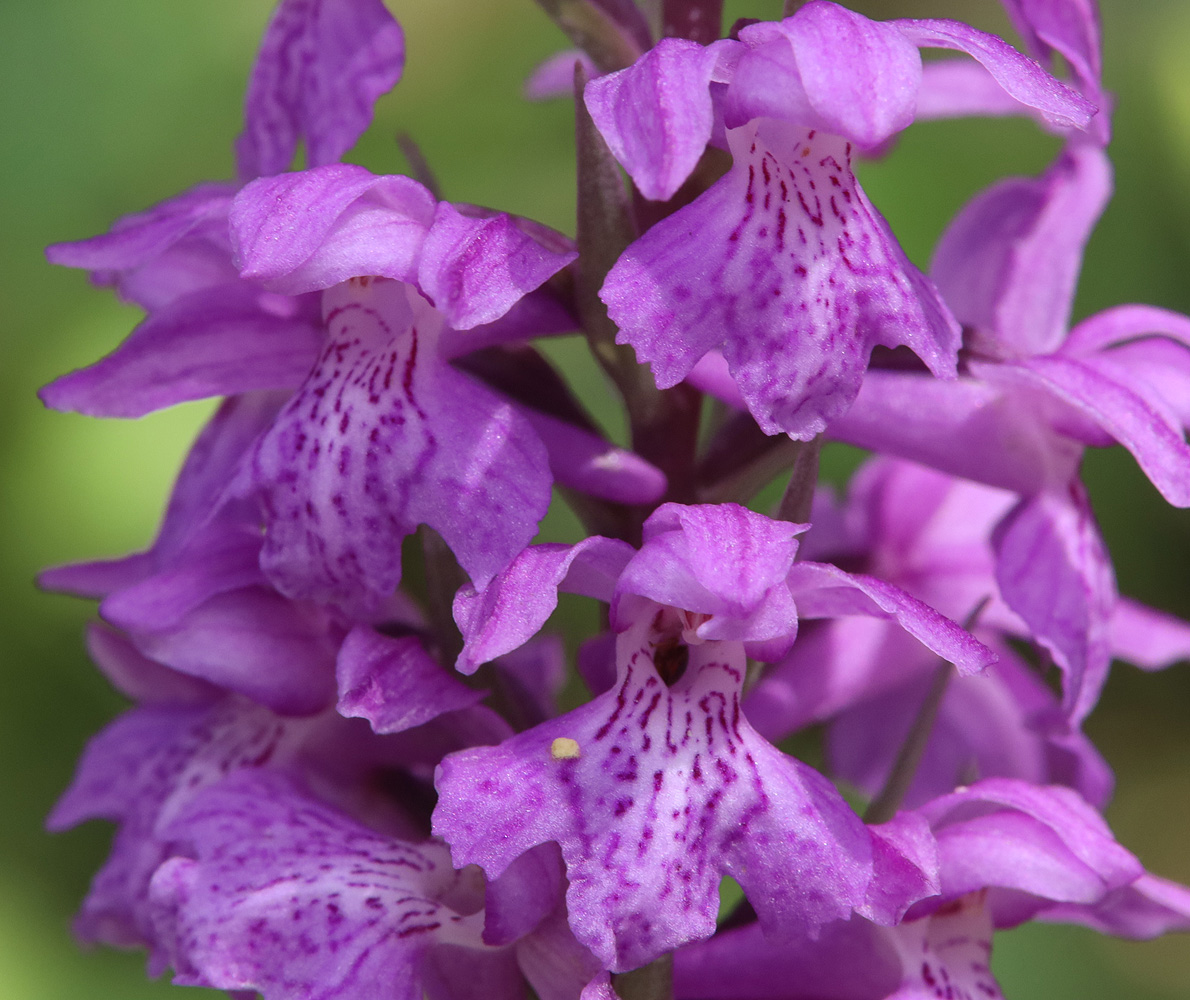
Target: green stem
{"points": [[593, 31], [900, 779], [798, 500], [663, 423]]}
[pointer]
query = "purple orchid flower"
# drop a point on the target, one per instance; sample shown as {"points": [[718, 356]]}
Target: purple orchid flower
{"points": [[385, 434], [364, 914], [940, 539], [784, 263], [146, 767], [694, 792], [1009, 852], [321, 66], [1037, 393]]}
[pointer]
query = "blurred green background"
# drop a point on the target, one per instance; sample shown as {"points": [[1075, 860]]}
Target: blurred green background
{"points": [[109, 107]]}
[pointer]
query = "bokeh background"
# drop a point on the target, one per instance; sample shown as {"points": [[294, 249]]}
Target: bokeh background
{"points": [[108, 107]]}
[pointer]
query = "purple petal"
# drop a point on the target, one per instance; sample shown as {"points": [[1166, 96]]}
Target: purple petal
{"points": [[475, 268], [849, 959], [1147, 908], [141, 767], [956, 88], [785, 264], [1148, 638], [394, 683], [225, 557], [1054, 571], [138, 239], [219, 341], [555, 76], [137, 677], [1020, 76], [1124, 323], [532, 678], [1106, 399], [358, 908], [529, 891], [200, 493], [277, 652], [721, 561], [502, 616], [966, 428], [382, 437], [656, 115], [833, 666], [321, 66], [198, 496], [905, 868], [1005, 724], [97, 579], [1068, 27], [310, 230], [822, 591], [555, 965], [821, 72], [695, 795], [586, 462], [1045, 842], [1008, 264]]}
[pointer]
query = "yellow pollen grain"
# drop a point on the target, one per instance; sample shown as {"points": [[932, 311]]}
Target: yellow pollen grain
{"points": [[564, 748]]}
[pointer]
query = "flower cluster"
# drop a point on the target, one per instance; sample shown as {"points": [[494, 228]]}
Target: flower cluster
{"points": [[359, 765]]}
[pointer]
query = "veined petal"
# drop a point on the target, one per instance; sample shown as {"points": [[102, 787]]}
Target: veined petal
{"points": [[948, 951], [137, 239], [957, 88], [144, 766], [385, 436], [475, 267], [1008, 264], [1148, 431], [310, 230], [1019, 75], [219, 341], [509, 611], [321, 66], [694, 794], [289, 897], [722, 561], [1054, 571], [394, 683], [1147, 908], [964, 427], [656, 115], [822, 590], [1043, 842], [786, 264]]}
